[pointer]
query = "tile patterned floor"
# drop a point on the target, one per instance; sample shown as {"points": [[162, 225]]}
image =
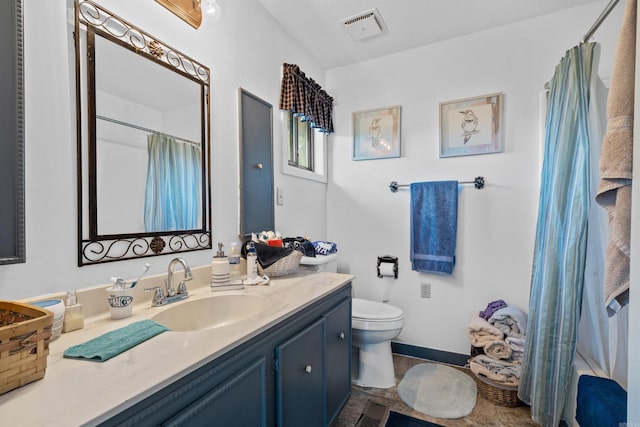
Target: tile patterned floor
{"points": [[485, 414]]}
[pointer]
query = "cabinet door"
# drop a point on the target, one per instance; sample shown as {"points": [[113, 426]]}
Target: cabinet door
{"points": [[244, 389], [338, 358], [299, 379]]}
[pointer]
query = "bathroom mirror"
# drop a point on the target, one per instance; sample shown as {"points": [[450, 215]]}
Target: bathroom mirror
{"points": [[12, 245], [143, 142]]}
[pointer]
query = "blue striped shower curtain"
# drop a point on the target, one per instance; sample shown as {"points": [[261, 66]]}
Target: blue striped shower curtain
{"points": [[174, 185], [561, 237]]}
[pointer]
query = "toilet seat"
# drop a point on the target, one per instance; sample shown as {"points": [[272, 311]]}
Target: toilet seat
{"points": [[373, 311], [375, 316]]}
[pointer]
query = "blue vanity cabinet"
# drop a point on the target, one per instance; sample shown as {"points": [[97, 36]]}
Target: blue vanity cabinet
{"points": [[300, 392], [264, 382], [337, 362], [313, 371], [213, 407]]}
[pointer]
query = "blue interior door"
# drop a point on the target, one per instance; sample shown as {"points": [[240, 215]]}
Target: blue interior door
{"points": [[256, 199]]}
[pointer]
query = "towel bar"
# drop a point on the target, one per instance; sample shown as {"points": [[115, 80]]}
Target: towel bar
{"points": [[478, 182]]}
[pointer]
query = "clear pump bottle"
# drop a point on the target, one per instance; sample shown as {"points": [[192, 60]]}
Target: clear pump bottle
{"points": [[234, 263], [252, 262]]}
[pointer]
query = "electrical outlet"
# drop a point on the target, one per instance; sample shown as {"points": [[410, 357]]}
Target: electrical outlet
{"points": [[425, 290]]}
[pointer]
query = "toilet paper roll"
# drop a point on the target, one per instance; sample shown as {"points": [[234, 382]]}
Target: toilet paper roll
{"points": [[386, 269]]}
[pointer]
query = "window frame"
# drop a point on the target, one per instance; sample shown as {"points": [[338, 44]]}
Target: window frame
{"points": [[319, 153], [295, 122]]}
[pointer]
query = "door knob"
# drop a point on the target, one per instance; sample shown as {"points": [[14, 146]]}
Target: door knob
{"points": [[307, 369], [341, 336], [259, 165]]}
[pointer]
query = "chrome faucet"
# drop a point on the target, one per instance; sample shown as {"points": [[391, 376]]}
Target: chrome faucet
{"points": [[182, 288], [161, 297]]}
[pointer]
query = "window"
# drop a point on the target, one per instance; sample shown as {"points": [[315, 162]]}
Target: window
{"points": [[300, 143], [303, 149]]}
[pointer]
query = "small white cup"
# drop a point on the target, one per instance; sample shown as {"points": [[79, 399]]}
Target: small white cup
{"points": [[120, 302]]}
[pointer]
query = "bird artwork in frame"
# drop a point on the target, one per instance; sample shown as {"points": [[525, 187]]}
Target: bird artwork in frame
{"points": [[376, 133], [471, 126]]}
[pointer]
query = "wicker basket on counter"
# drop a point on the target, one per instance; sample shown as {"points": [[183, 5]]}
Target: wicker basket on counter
{"points": [[284, 266], [24, 344], [498, 394]]}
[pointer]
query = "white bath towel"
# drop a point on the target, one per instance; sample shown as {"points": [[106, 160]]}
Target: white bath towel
{"points": [[511, 320], [517, 348], [496, 370], [481, 332], [498, 349], [516, 344]]}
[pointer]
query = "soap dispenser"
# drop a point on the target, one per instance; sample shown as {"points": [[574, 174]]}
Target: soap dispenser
{"points": [[219, 267], [73, 315]]}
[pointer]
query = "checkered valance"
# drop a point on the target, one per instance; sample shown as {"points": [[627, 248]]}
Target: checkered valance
{"points": [[303, 96]]}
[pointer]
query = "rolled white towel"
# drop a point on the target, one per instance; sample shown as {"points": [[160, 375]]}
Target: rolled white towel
{"points": [[496, 370], [517, 348], [498, 349], [481, 332], [516, 344], [511, 320]]}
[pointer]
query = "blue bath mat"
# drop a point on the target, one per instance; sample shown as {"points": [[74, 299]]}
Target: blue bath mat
{"points": [[397, 419]]}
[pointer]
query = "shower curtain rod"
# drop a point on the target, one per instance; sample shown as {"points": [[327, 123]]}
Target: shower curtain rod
{"points": [[478, 182], [119, 122], [607, 10]]}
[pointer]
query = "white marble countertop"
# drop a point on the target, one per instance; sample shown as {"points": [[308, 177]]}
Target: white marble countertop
{"points": [[79, 392]]}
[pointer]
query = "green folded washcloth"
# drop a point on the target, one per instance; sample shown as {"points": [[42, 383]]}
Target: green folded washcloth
{"points": [[115, 342]]}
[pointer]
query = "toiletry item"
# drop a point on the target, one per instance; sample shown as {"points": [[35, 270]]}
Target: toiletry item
{"points": [[118, 283], [219, 268], [252, 262], [73, 315], [144, 270], [234, 263], [120, 302], [56, 306]]}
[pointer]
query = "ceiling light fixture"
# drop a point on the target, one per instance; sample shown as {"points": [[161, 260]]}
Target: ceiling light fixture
{"points": [[211, 9]]}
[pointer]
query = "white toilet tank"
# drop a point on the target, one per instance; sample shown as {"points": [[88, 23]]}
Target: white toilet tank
{"points": [[327, 263]]}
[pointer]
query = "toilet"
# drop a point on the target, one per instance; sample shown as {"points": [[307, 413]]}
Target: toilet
{"points": [[374, 325]]}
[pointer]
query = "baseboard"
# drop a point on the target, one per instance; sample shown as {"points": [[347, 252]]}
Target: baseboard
{"points": [[430, 354]]}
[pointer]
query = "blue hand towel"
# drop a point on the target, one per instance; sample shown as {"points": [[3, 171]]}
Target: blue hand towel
{"points": [[434, 225], [115, 342]]}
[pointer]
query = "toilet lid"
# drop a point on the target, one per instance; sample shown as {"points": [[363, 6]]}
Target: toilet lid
{"points": [[373, 310]]}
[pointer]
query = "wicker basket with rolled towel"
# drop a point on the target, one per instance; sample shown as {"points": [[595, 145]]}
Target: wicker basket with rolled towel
{"points": [[274, 261]]}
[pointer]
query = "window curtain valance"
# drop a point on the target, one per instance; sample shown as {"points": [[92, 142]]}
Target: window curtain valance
{"points": [[303, 96]]}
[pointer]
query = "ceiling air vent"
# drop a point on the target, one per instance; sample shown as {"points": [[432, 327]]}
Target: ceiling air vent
{"points": [[364, 25]]}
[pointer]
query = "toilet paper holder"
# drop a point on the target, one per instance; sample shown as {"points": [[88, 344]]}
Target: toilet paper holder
{"points": [[390, 260]]}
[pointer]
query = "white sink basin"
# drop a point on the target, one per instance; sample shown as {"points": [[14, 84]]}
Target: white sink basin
{"points": [[212, 312]]}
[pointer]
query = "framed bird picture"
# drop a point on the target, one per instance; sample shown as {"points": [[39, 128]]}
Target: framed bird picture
{"points": [[376, 133], [471, 126]]}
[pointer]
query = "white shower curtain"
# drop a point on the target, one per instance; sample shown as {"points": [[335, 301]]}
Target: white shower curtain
{"points": [[602, 341]]}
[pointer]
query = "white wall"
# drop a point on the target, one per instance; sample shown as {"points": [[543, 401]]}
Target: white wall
{"points": [[496, 225], [246, 48]]}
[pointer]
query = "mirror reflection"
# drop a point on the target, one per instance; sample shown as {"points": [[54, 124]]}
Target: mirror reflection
{"points": [[143, 142], [148, 133]]}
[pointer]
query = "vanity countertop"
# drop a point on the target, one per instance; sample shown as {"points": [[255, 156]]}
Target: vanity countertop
{"points": [[80, 392]]}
